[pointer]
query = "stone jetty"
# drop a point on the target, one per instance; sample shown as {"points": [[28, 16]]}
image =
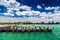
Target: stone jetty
{"points": [[16, 28]]}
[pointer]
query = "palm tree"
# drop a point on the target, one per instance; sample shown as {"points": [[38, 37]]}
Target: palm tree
{"points": [[49, 22], [52, 22], [57, 22], [42, 22]]}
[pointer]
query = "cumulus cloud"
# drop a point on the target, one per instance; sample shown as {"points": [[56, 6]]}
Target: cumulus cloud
{"points": [[10, 5], [29, 13], [35, 16], [49, 8], [39, 7], [8, 14], [25, 7]]}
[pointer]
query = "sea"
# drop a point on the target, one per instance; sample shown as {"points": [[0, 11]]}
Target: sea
{"points": [[54, 35]]}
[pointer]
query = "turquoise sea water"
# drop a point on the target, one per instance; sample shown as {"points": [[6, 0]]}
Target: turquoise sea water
{"points": [[55, 35]]}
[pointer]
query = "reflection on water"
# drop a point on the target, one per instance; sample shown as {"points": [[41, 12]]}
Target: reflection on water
{"points": [[55, 35]]}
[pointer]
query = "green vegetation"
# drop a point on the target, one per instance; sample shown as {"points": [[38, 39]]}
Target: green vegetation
{"points": [[28, 23]]}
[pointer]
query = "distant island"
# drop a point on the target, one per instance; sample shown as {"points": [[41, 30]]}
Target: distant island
{"points": [[29, 23]]}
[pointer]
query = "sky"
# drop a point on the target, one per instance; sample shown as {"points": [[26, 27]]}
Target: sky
{"points": [[29, 11]]}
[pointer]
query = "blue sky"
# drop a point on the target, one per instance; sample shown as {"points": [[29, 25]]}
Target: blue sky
{"points": [[30, 10]]}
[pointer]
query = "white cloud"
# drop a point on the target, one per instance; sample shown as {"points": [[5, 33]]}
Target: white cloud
{"points": [[39, 7], [49, 8], [25, 7], [54, 8], [29, 13], [12, 5], [20, 13], [8, 14], [44, 18]]}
